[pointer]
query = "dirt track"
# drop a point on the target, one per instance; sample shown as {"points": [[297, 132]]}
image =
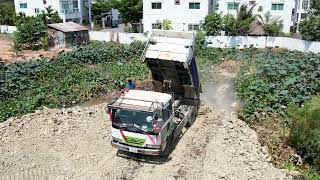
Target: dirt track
{"points": [[75, 144]]}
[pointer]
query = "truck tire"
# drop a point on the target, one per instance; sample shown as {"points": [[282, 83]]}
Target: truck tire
{"points": [[193, 116]]}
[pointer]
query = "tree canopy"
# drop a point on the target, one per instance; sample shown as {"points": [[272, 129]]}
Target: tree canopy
{"points": [[310, 28], [131, 10], [315, 6], [213, 24]]}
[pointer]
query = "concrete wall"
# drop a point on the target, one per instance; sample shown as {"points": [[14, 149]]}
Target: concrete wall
{"points": [[263, 42], [214, 41], [180, 15], [285, 14], [123, 38], [7, 29], [221, 41]]}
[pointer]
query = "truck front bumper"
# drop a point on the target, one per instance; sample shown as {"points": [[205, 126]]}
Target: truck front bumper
{"points": [[120, 146]]}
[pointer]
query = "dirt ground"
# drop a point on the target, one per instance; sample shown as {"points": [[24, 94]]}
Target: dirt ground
{"points": [[74, 143], [8, 56]]}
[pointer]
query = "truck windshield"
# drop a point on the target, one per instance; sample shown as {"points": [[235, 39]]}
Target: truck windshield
{"points": [[130, 117]]}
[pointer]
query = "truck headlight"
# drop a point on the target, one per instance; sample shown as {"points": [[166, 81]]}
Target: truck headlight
{"points": [[153, 146], [116, 139]]}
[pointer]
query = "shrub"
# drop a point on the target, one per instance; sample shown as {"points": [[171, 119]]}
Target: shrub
{"points": [[213, 24], [279, 79], [305, 135], [29, 31], [310, 28], [72, 77]]}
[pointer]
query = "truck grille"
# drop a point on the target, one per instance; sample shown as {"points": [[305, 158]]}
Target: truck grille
{"points": [[136, 141]]}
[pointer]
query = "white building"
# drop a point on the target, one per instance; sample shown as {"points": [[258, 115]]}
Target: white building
{"points": [[284, 9], [69, 10], [186, 15]]}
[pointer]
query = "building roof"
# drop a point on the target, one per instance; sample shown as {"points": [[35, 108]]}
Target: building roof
{"points": [[170, 45], [148, 99], [68, 27], [256, 29]]}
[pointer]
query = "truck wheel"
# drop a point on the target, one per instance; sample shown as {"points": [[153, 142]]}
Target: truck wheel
{"points": [[167, 149], [193, 116]]}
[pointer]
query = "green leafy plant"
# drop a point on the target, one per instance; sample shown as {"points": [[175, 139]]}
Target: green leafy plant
{"points": [[72, 77], [167, 24], [213, 24], [271, 25], [44, 43], [309, 28], [305, 135], [29, 31]]}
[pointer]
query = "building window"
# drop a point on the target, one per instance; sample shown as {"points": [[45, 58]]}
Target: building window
{"points": [[177, 2], [36, 10], [44, 1], [23, 5], [277, 6], [64, 6], [75, 6], [305, 4], [156, 5], [216, 6], [304, 15], [156, 26], [252, 3], [233, 6], [193, 27], [194, 5]]}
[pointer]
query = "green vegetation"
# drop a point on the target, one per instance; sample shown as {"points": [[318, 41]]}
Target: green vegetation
{"points": [[167, 24], [72, 77], [305, 135], [213, 24], [271, 25], [310, 28], [7, 14], [270, 81], [32, 31], [273, 80]]}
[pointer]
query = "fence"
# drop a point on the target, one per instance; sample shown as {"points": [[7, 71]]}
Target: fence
{"points": [[7, 29], [221, 41], [263, 42], [215, 41]]}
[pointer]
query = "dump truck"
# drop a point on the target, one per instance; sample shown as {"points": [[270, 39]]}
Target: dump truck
{"points": [[149, 122]]}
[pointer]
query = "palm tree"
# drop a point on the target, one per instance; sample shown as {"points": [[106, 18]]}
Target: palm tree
{"points": [[244, 19], [271, 25], [166, 24]]}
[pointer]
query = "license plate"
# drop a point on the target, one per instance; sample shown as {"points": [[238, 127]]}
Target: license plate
{"points": [[134, 150]]}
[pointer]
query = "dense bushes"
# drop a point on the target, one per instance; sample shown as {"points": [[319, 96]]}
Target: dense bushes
{"points": [[71, 78], [213, 24], [310, 28], [305, 135], [277, 80]]}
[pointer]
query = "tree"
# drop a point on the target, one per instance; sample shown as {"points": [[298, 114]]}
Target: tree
{"points": [[310, 28], [131, 10], [239, 25], [213, 24], [315, 6], [244, 19], [49, 16], [230, 25], [7, 15], [29, 31], [167, 24], [271, 25]]}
